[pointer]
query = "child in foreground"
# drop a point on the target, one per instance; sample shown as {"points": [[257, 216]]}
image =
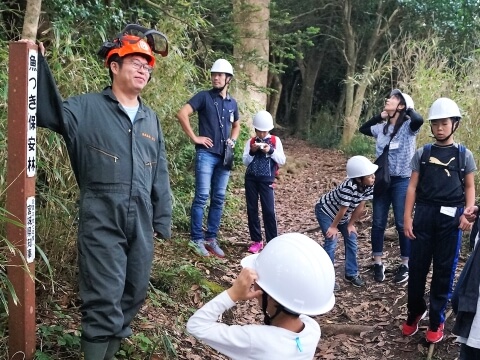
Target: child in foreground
{"points": [[291, 278]]}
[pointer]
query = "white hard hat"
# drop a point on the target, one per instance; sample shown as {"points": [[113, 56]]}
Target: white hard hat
{"points": [[443, 108], [263, 121], [409, 104], [222, 66], [295, 271], [358, 166]]}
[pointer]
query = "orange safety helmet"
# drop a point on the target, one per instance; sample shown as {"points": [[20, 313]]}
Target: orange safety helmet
{"points": [[129, 45]]}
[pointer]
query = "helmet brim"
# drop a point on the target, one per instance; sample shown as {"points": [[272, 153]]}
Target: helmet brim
{"points": [[398, 92], [249, 261]]}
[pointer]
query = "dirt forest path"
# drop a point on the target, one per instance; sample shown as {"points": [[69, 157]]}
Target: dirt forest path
{"points": [[365, 322]]}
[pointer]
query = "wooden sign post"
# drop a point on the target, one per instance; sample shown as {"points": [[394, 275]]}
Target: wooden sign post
{"points": [[21, 170]]}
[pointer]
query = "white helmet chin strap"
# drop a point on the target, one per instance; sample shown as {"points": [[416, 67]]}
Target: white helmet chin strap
{"points": [[396, 111], [226, 83]]}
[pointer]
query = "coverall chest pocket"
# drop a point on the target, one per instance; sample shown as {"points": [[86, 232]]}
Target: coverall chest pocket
{"points": [[103, 165], [150, 168]]}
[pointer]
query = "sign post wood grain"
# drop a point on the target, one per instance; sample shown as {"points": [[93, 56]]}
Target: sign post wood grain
{"points": [[21, 170]]}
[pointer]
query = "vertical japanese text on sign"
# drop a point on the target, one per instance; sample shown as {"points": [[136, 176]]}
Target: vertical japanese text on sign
{"points": [[31, 113]]}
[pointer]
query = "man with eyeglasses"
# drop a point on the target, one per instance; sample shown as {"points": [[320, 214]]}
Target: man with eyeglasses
{"points": [[117, 151], [218, 125]]}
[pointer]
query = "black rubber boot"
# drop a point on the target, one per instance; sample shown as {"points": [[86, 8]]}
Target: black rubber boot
{"points": [[113, 347], [94, 351]]}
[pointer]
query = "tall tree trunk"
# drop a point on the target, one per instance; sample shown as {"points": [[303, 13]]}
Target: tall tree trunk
{"points": [[252, 17], [351, 58], [289, 96], [355, 89], [309, 68], [30, 22], [273, 99]]}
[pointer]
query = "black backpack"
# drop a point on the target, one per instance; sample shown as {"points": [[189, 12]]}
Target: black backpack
{"points": [[462, 163]]}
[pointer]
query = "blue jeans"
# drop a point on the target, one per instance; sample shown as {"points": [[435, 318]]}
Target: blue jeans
{"points": [[395, 195], [211, 179], [350, 241]]}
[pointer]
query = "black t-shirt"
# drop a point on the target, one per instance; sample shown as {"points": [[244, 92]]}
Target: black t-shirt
{"points": [[440, 180]]}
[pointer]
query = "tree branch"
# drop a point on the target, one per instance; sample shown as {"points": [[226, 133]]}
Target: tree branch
{"points": [[310, 12], [164, 11]]}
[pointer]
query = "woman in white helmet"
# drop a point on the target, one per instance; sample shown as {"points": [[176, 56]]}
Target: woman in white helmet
{"points": [[291, 278], [338, 210], [398, 125], [262, 154]]}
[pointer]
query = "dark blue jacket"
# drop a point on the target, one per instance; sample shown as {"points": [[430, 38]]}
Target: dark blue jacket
{"points": [[465, 296]]}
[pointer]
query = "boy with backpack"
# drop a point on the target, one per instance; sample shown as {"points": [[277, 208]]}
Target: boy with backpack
{"points": [[441, 186], [339, 209], [263, 154]]}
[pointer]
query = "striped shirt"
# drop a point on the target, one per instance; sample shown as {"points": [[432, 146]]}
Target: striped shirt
{"points": [[345, 194], [402, 147]]}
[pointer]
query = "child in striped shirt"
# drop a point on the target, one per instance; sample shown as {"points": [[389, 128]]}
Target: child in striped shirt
{"points": [[339, 209]]}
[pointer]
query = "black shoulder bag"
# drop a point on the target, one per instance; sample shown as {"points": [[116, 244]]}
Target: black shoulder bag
{"points": [[382, 175], [228, 149]]}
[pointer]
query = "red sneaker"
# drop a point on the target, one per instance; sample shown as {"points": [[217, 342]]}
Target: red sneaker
{"points": [[435, 336], [410, 327]]}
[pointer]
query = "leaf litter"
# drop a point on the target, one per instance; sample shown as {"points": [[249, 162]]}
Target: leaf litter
{"points": [[308, 174], [365, 322]]}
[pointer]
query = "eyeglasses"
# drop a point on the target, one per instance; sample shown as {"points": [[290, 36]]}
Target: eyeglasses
{"points": [[138, 65]]}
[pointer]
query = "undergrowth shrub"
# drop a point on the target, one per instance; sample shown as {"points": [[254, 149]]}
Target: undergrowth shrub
{"points": [[71, 54], [430, 74], [361, 145], [325, 131]]}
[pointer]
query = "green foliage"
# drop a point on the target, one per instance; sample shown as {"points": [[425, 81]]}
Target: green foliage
{"points": [[53, 337], [147, 344], [430, 75], [3, 329], [95, 18], [141, 341], [199, 32], [325, 131], [287, 37], [361, 145], [456, 22], [179, 278], [78, 29], [176, 279]]}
